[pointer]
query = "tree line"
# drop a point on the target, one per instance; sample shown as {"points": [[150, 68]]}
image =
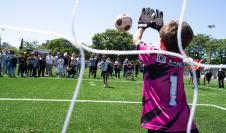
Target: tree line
{"points": [[210, 49], [203, 46]]}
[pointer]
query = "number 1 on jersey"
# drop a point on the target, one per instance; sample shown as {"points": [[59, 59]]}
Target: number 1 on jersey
{"points": [[173, 90]]}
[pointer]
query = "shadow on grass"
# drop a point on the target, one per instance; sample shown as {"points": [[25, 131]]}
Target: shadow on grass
{"points": [[111, 87], [209, 89]]}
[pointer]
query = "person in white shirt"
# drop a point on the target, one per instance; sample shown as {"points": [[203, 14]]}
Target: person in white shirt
{"points": [[104, 69], [125, 63], [56, 58], [49, 64], [78, 64], [60, 66]]}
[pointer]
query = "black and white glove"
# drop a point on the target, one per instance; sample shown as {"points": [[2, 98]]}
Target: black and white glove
{"points": [[150, 18], [146, 18], [158, 20]]}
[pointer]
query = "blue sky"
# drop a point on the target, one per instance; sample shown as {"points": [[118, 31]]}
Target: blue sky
{"points": [[97, 15]]}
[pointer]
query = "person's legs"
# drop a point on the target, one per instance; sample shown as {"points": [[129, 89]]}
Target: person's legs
{"points": [[4, 67], [204, 80], [29, 71], [35, 72], [19, 71], [103, 75], [132, 75], [136, 73], [106, 79], [198, 80], [47, 70], [189, 81], [0, 69], [9, 70], [25, 70], [115, 72], [208, 82], [22, 71], [65, 71], [92, 71], [51, 68], [219, 82], [95, 72], [124, 72], [42, 71], [89, 71], [14, 71], [222, 82], [39, 71]]}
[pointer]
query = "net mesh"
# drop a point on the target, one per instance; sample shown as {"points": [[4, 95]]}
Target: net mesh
{"points": [[83, 48]]}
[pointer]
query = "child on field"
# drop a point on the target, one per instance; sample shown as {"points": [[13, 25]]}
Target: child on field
{"points": [[104, 69], [207, 76], [164, 107], [191, 77]]}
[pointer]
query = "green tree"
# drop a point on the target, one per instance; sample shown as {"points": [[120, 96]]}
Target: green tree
{"points": [[210, 48], [61, 45], [113, 40], [205, 47], [197, 48], [32, 45], [220, 52]]}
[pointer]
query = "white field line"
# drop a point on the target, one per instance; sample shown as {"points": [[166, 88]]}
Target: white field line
{"points": [[94, 101]]}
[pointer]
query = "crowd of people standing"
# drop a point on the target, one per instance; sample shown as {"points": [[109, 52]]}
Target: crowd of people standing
{"points": [[29, 64], [39, 65], [34, 64]]}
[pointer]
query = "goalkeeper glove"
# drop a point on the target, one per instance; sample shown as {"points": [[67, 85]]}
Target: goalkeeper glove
{"points": [[150, 18], [158, 20], [145, 18]]}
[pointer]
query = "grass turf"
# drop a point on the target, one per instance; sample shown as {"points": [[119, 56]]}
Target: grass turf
{"points": [[40, 116]]}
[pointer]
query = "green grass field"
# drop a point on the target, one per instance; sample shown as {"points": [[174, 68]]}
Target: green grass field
{"points": [[89, 117]]}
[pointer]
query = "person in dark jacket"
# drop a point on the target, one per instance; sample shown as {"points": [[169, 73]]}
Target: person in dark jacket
{"points": [[221, 76], [41, 66], [12, 64], [22, 65]]}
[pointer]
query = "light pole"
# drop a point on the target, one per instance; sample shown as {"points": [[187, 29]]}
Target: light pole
{"points": [[210, 52], [211, 34], [211, 26]]}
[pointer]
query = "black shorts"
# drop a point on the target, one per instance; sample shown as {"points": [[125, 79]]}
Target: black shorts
{"points": [[92, 68], [208, 78], [192, 131], [104, 72]]}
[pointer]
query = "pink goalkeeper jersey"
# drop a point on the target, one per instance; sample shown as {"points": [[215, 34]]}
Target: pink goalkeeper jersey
{"points": [[164, 104]]}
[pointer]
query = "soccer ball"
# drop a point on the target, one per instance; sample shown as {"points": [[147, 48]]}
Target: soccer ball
{"points": [[123, 22]]}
